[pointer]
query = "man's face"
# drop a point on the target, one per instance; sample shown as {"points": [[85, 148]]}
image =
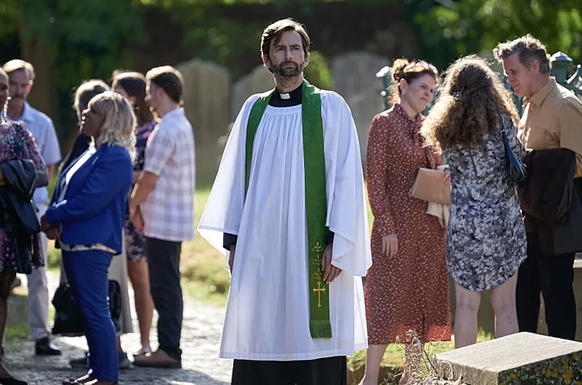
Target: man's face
{"points": [[287, 58], [152, 95], [519, 76], [19, 86]]}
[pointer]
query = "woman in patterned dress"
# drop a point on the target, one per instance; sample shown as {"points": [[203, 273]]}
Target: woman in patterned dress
{"points": [[132, 86], [407, 285], [16, 143], [486, 240]]}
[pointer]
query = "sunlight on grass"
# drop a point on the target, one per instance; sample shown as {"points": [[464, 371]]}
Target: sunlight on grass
{"points": [[394, 354]]}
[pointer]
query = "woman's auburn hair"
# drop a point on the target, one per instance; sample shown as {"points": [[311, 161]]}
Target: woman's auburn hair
{"points": [[118, 128], [469, 105]]}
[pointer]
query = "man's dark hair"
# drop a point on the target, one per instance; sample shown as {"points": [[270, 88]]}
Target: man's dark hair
{"points": [[169, 79], [274, 32], [528, 49]]}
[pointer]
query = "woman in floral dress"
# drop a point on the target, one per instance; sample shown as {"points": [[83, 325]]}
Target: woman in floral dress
{"points": [[407, 285], [132, 86], [486, 239], [16, 143]]}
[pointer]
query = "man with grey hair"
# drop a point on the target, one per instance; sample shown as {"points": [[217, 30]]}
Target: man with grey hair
{"points": [[552, 119], [21, 76]]}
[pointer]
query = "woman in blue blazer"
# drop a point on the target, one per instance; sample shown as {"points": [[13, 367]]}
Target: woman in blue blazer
{"points": [[87, 220]]}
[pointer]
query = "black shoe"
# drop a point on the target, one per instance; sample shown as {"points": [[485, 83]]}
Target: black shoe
{"points": [[80, 363], [12, 381], [44, 348]]}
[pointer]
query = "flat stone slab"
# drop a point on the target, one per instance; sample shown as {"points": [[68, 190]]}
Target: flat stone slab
{"points": [[522, 358]]}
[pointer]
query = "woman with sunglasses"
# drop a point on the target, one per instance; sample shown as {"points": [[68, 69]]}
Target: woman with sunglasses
{"points": [[407, 285], [87, 221]]}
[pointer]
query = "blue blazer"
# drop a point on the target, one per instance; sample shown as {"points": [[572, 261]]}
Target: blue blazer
{"points": [[95, 202]]}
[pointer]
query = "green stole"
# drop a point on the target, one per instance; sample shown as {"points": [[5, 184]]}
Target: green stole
{"points": [[315, 197]]}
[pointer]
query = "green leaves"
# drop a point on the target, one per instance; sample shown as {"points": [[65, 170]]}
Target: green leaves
{"points": [[476, 26]]}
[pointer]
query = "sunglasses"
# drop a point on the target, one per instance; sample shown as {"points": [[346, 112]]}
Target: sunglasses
{"points": [[109, 95], [411, 67]]}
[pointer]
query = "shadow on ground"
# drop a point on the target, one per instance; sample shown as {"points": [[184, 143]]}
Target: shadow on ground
{"points": [[20, 360]]}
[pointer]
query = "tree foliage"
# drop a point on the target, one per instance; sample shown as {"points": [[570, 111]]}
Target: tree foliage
{"points": [[457, 28]]}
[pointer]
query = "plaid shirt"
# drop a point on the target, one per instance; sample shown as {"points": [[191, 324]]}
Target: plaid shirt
{"points": [[168, 210]]}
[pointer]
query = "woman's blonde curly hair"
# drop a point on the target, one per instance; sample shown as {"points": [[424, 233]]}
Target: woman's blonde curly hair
{"points": [[469, 105], [118, 121]]}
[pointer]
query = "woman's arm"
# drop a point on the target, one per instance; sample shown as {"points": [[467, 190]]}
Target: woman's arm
{"points": [[111, 174], [377, 175]]}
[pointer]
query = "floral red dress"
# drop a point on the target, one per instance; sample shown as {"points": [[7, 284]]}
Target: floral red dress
{"points": [[409, 291]]}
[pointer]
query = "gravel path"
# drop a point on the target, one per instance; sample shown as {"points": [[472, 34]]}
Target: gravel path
{"points": [[201, 331]]}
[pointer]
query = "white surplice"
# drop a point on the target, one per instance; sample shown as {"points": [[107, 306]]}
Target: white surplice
{"points": [[267, 315]]}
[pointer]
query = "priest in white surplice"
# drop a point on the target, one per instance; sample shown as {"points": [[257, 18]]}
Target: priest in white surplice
{"points": [[288, 203]]}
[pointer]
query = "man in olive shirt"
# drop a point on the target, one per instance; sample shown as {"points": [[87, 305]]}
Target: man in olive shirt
{"points": [[552, 119]]}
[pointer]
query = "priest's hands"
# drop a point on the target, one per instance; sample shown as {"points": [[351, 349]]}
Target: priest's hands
{"points": [[390, 245], [330, 272]]}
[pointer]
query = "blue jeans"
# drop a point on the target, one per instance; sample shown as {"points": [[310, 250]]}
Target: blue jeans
{"points": [[87, 275]]}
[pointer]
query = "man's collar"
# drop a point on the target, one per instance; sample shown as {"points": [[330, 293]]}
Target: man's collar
{"points": [[179, 111], [293, 95], [538, 98], [26, 116]]}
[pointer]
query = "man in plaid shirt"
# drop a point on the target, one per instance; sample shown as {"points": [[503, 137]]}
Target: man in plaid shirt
{"points": [[163, 204]]}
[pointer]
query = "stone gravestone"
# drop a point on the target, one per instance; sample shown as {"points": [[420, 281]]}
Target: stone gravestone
{"points": [[207, 104], [354, 77], [259, 80], [522, 358]]}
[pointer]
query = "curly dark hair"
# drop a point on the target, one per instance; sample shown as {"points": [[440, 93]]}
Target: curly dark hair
{"points": [[469, 105]]}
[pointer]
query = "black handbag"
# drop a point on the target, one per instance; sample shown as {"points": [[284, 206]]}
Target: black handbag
{"points": [[68, 317], [513, 165]]}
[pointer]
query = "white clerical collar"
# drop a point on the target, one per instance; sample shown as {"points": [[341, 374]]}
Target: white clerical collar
{"points": [[285, 96]]}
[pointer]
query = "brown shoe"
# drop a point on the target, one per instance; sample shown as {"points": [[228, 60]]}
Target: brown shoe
{"points": [[158, 359]]}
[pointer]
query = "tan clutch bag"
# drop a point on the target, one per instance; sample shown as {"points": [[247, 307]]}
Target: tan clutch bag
{"points": [[429, 186]]}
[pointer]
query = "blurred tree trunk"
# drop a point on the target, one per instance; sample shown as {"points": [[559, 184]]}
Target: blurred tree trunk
{"points": [[42, 96]]}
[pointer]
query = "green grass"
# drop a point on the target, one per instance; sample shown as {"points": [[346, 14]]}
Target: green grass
{"points": [[16, 332], [394, 354]]}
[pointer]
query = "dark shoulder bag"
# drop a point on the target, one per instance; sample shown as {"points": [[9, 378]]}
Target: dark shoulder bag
{"points": [[513, 165]]}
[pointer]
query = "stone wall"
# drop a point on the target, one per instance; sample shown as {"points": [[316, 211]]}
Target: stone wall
{"points": [[207, 105], [259, 80], [354, 74]]}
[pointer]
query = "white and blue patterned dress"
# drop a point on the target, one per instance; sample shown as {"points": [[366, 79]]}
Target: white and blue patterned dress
{"points": [[486, 241]]}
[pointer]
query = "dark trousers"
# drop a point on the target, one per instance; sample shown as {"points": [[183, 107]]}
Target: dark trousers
{"points": [[164, 271], [87, 275], [553, 275], [323, 371]]}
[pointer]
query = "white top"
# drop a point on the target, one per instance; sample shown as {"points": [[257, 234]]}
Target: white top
{"points": [[168, 210], [267, 316]]}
